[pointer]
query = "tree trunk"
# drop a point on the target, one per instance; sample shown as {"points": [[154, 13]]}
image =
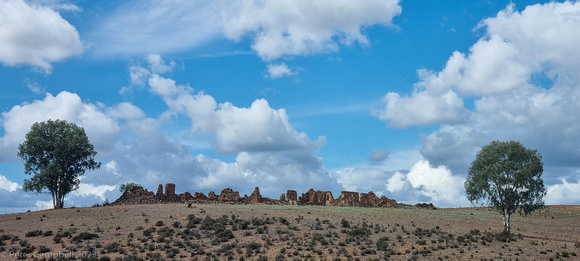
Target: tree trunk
{"points": [[57, 200], [506, 222], [60, 202], [53, 200]]}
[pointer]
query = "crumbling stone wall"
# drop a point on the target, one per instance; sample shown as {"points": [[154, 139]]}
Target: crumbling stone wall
{"points": [[186, 196], [318, 197], [199, 196], [425, 205], [170, 192], [292, 197], [365, 200], [327, 198], [159, 191], [255, 197], [307, 198], [211, 196], [228, 195], [140, 196], [388, 203], [372, 200], [348, 199]]}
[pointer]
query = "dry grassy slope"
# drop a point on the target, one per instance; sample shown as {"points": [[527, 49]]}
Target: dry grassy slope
{"points": [[311, 232]]}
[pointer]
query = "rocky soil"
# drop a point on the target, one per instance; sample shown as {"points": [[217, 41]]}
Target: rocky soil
{"points": [[286, 232]]}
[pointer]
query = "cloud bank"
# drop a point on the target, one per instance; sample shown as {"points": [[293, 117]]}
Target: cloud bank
{"points": [[520, 80], [275, 28]]}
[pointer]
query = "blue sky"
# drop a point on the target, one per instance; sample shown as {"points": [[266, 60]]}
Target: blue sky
{"points": [[391, 96]]}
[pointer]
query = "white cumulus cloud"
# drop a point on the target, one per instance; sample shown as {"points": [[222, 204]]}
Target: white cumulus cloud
{"points": [[279, 70], [437, 183], [35, 35], [396, 182], [425, 183], [8, 185], [92, 190], [363, 179], [302, 27], [564, 192], [253, 129], [100, 128], [422, 108]]}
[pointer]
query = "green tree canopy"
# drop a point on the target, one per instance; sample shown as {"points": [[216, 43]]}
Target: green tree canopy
{"points": [[130, 186], [56, 153], [507, 176]]}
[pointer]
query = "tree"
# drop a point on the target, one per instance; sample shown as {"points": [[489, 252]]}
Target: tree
{"points": [[129, 187], [56, 153], [507, 176]]}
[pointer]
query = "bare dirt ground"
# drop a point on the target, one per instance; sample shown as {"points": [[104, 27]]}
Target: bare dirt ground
{"points": [[278, 232]]}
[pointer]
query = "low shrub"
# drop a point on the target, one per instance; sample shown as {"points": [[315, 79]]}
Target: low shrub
{"points": [[165, 232], [33, 233], [383, 244], [224, 234], [43, 249], [27, 250], [57, 239], [505, 236], [113, 247], [84, 236], [359, 232], [253, 245]]}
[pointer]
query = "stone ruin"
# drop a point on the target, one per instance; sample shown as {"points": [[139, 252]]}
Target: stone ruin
{"points": [[318, 197], [425, 205], [228, 195], [348, 199]]}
